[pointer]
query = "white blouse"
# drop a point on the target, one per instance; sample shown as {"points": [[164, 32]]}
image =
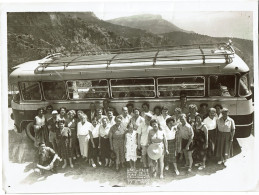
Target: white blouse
{"points": [[95, 131], [83, 129], [104, 132]]}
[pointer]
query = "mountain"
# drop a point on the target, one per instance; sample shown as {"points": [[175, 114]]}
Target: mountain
{"points": [[34, 35], [151, 23]]}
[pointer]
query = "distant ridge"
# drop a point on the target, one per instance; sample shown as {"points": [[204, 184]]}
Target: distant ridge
{"points": [[149, 22]]}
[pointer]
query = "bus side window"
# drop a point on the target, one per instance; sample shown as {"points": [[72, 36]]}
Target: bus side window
{"points": [[30, 90], [54, 90], [222, 85]]}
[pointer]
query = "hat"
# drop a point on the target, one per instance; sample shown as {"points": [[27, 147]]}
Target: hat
{"points": [[148, 114], [113, 155], [54, 112], [154, 151], [224, 110]]}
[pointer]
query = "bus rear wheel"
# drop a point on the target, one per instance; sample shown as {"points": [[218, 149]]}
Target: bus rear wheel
{"points": [[30, 131]]}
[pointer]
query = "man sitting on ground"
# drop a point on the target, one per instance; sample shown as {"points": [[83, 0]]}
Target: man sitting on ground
{"points": [[48, 159]]}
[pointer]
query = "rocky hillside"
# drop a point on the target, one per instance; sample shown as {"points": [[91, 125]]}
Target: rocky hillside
{"points": [[34, 35], [151, 23]]}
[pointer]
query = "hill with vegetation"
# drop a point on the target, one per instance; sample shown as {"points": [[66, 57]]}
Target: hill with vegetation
{"points": [[33, 35]]}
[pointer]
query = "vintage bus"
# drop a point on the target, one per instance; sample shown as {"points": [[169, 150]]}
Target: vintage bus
{"points": [[208, 73]]}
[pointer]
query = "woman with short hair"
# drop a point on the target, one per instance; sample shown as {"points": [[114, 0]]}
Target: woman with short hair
{"points": [[200, 141], [71, 123], [158, 137], [157, 112], [117, 136], [104, 142], [40, 129]]}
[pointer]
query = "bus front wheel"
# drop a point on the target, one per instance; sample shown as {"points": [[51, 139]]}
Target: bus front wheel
{"points": [[30, 131]]}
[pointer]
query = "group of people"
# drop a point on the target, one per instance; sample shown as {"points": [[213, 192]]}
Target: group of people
{"points": [[102, 136]]}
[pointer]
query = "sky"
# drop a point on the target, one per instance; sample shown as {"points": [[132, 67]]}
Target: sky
{"points": [[214, 20], [221, 18]]}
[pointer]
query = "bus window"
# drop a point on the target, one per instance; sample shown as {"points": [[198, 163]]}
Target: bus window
{"points": [[84, 89], [138, 88], [30, 90], [54, 90], [172, 86], [222, 85], [244, 85]]}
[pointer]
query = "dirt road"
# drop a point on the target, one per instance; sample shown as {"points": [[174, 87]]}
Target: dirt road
{"points": [[239, 175]]}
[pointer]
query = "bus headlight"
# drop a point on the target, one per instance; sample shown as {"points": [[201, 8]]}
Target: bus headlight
{"points": [[15, 128]]}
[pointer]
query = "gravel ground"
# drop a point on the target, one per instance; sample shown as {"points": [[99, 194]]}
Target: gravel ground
{"points": [[239, 175]]}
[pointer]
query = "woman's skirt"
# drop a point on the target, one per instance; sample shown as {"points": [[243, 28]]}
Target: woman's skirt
{"points": [[105, 148], [184, 143], [212, 142], [224, 145], [171, 157], [83, 144], [118, 147], [94, 152]]}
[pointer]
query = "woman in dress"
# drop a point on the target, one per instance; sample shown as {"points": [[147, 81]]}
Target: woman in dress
{"points": [[48, 114], [71, 123], [186, 134], [162, 118], [174, 143], [66, 143], [117, 136], [94, 144], [62, 114], [145, 110], [131, 146], [83, 128], [200, 141], [40, 129], [136, 119], [156, 136], [192, 114], [111, 117], [104, 143]]}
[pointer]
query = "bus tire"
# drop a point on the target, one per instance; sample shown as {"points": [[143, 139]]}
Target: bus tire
{"points": [[30, 131]]}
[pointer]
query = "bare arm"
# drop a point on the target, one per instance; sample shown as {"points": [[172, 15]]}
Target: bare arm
{"points": [[91, 137], [110, 138], [205, 129]]}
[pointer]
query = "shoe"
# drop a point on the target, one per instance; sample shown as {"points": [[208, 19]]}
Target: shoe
{"points": [[220, 162], [197, 164], [64, 166], [161, 177], [177, 172], [166, 168], [154, 174], [72, 166], [78, 155], [201, 167], [94, 165], [100, 163], [189, 170], [74, 158]]}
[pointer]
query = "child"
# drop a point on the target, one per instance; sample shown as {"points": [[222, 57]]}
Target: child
{"points": [[131, 146]]}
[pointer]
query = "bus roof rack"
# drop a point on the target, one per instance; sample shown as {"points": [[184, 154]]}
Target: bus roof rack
{"points": [[136, 55]]}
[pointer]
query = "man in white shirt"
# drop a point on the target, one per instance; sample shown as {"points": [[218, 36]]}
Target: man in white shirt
{"points": [[142, 132], [211, 124]]}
